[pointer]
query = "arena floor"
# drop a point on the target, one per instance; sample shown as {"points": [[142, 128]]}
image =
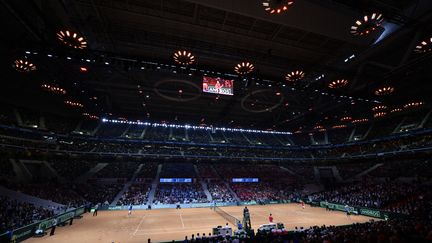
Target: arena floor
{"points": [[169, 224]]}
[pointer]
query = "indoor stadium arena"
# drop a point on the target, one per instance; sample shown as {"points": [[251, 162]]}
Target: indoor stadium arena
{"points": [[216, 121]]}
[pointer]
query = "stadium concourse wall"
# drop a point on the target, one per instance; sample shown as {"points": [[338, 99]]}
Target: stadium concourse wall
{"points": [[28, 231]]}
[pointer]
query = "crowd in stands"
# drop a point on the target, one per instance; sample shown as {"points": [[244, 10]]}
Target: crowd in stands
{"points": [[220, 192], [60, 193], [137, 194], [180, 193], [118, 169], [372, 194], [6, 168], [71, 168], [98, 193], [15, 214]]}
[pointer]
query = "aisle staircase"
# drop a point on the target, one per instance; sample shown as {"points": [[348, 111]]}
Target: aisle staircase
{"points": [[154, 185], [89, 174], [203, 185], [126, 186]]}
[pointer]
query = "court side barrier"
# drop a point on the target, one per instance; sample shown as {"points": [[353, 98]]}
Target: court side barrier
{"points": [[28, 231], [193, 205], [375, 213]]}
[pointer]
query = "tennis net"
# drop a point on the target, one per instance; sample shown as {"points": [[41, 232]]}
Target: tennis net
{"points": [[233, 220]]}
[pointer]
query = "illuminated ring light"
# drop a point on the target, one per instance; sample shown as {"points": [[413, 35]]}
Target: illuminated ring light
{"points": [[339, 126], [394, 110], [379, 114], [72, 39], [184, 57], [244, 68], [379, 108], [413, 104], [53, 89], [295, 76], [177, 99], [368, 24], [24, 66], [92, 117], [277, 6], [340, 83], [317, 127], [363, 120], [346, 119], [424, 46], [384, 91], [261, 92], [73, 104]]}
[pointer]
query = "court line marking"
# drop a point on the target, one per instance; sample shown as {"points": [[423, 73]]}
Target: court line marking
{"points": [[156, 232], [181, 219], [139, 225]]}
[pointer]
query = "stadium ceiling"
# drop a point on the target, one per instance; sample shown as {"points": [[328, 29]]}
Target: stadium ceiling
{"points": [[131, 72]]}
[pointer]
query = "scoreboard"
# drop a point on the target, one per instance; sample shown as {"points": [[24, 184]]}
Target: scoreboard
{"points": [[175, 180], [247, 180]]}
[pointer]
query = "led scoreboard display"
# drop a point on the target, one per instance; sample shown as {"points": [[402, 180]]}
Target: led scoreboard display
{"points": [[245, 180], [175, 180], [218, 86]]}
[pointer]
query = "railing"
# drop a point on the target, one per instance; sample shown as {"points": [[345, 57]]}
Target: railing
{"points": [[28, 231]]}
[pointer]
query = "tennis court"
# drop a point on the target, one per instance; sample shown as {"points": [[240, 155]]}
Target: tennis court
{"points": [[172, 224]]}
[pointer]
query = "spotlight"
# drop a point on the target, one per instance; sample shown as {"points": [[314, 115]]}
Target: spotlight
{"points": [[295, 76], [368, 24], [424, 46], [24, 66], [340, 83], [363, 120], [277, 6], [73, 104], [244, 68], [346, 118], [53, 89], [379, 114], [413, 104], [384, 91], [379, 108], [184, 57], [72, 39]]}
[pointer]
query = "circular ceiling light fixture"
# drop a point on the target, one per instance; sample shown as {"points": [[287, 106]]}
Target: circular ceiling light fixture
{"points": [[295, 76], [379, 114], [362, 120], [340, 83], [183, 57], [368, 24], [277, 6], [73, 104], [53, 89], [394, 110], [424, 46], [24, 66], [71, 39], [379, 108], [244, 68], [346, 119], [384, 91], [339, 126], [413, 104]]}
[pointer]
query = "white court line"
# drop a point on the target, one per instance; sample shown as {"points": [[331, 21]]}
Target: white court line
{"points": [[139, 225], [156, 232], [181, 219]]}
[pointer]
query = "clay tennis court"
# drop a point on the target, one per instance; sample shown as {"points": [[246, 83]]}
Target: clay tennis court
{"points": [[171, 224]]}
